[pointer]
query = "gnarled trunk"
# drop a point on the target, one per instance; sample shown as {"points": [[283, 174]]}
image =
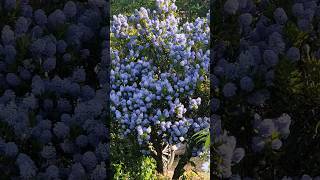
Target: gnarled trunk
{"points": [[160, 166], [157, 155], [183, 161]]}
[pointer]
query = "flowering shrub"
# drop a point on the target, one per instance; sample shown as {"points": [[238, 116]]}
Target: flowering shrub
{"points": [[263, 106], [159, 79], [53, 99]]}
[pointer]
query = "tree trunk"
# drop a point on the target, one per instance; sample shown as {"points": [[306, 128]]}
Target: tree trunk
{"points": [[159, 162], [157, 144], [183, 161]]}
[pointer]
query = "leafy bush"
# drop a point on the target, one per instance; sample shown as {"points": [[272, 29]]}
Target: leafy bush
{"points": [[127, 161]]}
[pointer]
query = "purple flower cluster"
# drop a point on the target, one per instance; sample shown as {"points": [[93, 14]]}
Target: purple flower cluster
{"points": [[52, 102]]}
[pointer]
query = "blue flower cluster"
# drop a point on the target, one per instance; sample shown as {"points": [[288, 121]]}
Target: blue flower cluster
{"points": [[229, 154], [226, 153], [243, 74], [270, 132], [53, 99], [158, 67]]}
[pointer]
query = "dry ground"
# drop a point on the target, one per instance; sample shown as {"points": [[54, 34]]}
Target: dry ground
{"points": [[201, 175]]}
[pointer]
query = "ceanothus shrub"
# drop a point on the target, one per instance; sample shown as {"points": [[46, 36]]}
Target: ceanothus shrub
{"points": [[159, 73]]}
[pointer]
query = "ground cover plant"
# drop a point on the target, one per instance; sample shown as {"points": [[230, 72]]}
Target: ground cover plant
{"points": [[265, 89], [53, 96]]}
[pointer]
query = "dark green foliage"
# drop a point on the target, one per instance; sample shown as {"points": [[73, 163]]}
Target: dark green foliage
{"points": [[189, 9], [126, 7]]}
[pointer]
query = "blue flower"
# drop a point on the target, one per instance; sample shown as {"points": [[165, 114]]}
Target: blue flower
{"points": [[11, 149], [9, 5], [89, 160], [293, 54], [26, 166], [231, 6], [70, 9], [280, 16], [13, 79], [7, 35], [229, 90], [246, 83], [40, 17]]}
